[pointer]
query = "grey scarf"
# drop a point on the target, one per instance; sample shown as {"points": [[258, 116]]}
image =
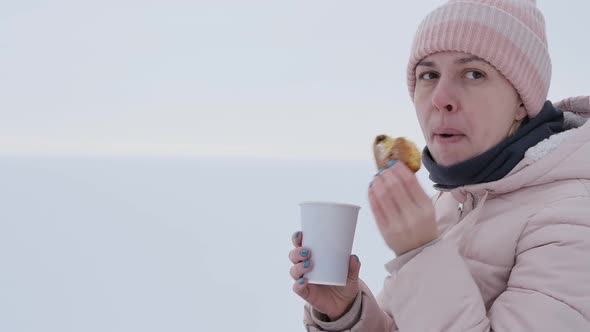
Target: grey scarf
{"points": [[495, 163]]}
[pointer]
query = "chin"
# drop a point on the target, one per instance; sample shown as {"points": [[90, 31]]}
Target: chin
{"points": [[446, 164], [447, 160]]}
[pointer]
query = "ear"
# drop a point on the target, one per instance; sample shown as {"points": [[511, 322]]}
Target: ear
{"points": [[521, 111]]}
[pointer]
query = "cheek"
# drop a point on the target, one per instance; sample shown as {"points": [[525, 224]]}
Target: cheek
{"points": [[488, 130], [422, 115], [421, 107], [482, 125]]}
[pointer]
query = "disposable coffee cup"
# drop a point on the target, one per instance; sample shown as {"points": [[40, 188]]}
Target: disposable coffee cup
{"points": [[328, 231]]}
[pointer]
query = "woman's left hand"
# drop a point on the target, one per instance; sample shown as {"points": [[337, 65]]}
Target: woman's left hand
{"points": [[403, 211]]}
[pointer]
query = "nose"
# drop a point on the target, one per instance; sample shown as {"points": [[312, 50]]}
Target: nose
{"points": [[444, 96]]}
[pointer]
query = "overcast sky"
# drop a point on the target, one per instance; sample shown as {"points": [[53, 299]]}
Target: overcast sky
{"points": [[261, 78]]}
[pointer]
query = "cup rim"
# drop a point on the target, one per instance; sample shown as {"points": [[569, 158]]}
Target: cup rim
{"points": [[329, 203]]}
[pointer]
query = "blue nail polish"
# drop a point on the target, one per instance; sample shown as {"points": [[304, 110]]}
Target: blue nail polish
{"points": [[380, 171], [357, 259], [391, 163], [304, 253], [301, 281], [296, 235], [371, 184], [306, 264]]}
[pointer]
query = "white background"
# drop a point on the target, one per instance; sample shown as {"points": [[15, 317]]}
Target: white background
{"points": [[152, 153]]}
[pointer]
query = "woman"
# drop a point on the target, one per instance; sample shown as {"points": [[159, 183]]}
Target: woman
{"points": [[505, 244]]}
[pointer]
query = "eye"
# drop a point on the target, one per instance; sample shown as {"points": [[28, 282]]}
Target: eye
{"points": [[473, 75], [428, 76]]}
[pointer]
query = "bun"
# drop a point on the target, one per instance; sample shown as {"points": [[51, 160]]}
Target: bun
{"points": [[401, 149]]}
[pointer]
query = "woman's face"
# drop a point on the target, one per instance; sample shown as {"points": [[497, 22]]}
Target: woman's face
{"points": [[464, 106]]}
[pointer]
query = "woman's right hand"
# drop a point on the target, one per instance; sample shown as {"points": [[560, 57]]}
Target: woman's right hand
{"points": [[334, 301]]}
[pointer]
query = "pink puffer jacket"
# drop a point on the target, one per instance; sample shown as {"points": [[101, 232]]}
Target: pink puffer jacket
{"points": [[513, 255]]}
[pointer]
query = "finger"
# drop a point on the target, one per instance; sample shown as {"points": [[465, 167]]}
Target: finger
{"points": [[383, 191], [397, 193], [381, 170], [354, 268], [377, 209], [296, 238], [299, 255], [298, 270], [411, 185], [300, 287]]}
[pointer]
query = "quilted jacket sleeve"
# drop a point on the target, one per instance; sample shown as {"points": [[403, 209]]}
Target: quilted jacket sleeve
{"points": [[364, 315]]}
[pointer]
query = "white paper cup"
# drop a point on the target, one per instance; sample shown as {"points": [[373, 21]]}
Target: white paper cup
{"points": [[328, 231]]}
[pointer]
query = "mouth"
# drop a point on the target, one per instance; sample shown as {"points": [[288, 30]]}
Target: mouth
{"points": [[447, 135]]}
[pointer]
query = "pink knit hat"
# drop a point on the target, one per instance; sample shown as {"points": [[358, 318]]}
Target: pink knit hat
{"points": [[508, 34]]}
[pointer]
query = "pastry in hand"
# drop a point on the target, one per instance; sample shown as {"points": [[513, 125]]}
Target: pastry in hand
{"points": [[401, 149]]}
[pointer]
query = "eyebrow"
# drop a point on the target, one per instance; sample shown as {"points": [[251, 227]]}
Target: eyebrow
{"points": [[460, 61]]}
